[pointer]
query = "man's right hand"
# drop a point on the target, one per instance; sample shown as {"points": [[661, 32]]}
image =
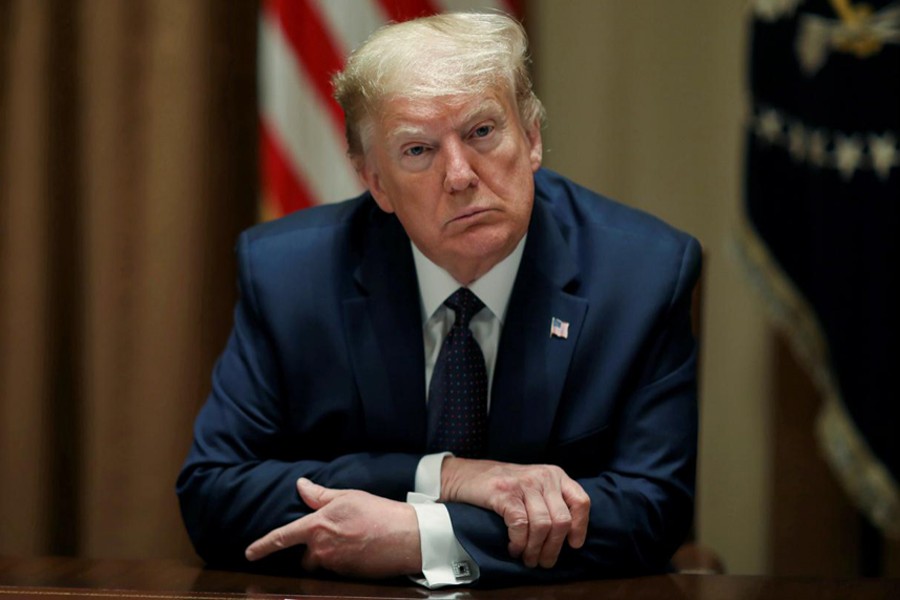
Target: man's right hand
{"points": [[541, 505], [351, 533]]}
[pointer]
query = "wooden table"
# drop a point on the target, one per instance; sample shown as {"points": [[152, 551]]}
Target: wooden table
{"points": [[77, 579]]}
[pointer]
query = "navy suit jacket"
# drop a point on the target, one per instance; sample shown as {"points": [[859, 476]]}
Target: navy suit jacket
{"points": [[323, 377]]}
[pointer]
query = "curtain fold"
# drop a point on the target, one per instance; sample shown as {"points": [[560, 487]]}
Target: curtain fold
{"points": [[128, 166]]}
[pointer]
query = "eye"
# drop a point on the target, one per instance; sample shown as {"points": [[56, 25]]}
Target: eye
{"points": [[415, 151], [482, 131]]}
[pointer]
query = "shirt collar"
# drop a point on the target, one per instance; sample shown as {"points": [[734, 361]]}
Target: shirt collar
{"points": [[493, 288]]}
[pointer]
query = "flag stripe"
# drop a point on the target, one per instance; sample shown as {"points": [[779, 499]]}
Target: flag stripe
{"points": [[473, 5], [313, 146], [515, 7], [349, 33], [284, 187], [403, 10], [311, 40]]}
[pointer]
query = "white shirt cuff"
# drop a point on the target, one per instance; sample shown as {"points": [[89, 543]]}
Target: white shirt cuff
{"points": [[444, 561], [428, 475]]}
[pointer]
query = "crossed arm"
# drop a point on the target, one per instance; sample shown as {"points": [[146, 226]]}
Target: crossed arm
{"points": [[356, 533], [239, 483], [626, 518], [240, 498]]}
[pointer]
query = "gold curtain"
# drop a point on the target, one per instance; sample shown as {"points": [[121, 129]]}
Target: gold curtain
{"points": [[127, 168]]}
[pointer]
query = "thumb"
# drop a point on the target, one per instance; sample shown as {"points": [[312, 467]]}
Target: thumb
{"points": [[314, 495]]}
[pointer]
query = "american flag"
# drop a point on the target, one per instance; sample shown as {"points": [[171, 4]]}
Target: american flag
{"points": [[559, 328], [302, 43]]}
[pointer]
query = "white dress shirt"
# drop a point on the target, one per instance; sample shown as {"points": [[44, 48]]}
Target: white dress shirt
{"points": [[444, 561]]}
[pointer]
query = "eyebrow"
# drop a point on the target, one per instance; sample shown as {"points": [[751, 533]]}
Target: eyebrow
{"points": [[405, 131], [488, 106], [483, 109]]}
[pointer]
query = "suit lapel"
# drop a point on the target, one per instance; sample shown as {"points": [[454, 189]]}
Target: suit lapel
{"points": [[531, 365], [384, 334]]}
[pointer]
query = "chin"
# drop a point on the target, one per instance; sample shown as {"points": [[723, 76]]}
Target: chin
{"points": [[480, 246]]}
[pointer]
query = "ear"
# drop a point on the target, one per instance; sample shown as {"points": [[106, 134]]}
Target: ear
{"points": [[368, 174], [536, 151]]}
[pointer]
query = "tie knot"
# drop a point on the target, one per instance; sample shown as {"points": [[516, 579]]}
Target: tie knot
{"points": [[464, 304]]}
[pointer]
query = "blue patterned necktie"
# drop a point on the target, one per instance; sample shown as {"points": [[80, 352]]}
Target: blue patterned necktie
{"points": [[457, 399]]}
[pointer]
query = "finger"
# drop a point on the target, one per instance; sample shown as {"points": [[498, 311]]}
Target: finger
{"points": [[561, 523], [309, 562], [539, 523], [516, 518], [314, 495], [292, 534], [579, 504]]}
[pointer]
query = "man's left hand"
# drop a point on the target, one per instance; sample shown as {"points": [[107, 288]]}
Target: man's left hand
{"points": [[541, 505], [352, 533]]}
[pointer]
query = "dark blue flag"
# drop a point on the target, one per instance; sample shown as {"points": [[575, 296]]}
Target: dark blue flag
{"points": [[823, 212]]}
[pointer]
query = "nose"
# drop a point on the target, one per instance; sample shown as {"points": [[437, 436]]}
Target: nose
{"points": [[459, 174]]}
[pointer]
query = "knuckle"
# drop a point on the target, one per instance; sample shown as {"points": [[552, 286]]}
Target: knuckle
{"points": [[279, 539], [313, 560], [558, 533], [583, 503], [541, 525], [545, 475], [562, 522], [318, 551], [516, 519], [548, 470]]}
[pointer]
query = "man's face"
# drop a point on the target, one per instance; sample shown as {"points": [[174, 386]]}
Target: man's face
{"points": [[458, 173]]}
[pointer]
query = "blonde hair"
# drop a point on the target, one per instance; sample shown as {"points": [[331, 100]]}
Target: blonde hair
{"points": [[438, 56]]}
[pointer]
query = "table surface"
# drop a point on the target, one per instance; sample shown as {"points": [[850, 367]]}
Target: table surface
{"points": [[78, 579]]}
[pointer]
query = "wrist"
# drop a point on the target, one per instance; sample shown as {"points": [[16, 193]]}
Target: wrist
{"points": [[412, 561], [449, 478]]}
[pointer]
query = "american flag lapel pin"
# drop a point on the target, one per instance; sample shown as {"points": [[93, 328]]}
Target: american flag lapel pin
{"points": [[559, 328]]}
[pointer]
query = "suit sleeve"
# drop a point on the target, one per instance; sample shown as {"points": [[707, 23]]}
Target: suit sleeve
{"points": [[642, 497], [238, 483]]}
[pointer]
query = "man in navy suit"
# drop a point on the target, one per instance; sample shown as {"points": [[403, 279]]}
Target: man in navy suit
{"points": [[321, 444]]}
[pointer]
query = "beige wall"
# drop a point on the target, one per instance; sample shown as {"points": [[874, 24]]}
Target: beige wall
{"points": [[645, 100]]}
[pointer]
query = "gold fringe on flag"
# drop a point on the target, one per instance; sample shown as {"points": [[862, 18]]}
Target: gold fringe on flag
{"points": [[866, 481]]}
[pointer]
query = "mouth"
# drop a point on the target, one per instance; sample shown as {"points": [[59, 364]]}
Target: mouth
{"points": [[468, 214]]}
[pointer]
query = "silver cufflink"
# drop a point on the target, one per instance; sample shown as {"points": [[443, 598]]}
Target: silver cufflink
{"points": [[461, 569]]}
